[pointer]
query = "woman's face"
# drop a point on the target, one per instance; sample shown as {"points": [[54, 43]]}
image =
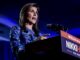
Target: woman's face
{"points": [[32, 15]]}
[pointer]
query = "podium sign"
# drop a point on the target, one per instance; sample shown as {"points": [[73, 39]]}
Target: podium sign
{"points": [[70, 44]]}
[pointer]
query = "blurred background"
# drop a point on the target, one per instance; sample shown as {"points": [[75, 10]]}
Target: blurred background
{"points": [[63, 12]]}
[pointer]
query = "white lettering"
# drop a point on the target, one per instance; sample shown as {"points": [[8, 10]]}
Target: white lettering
{"points": [[71, 46]]}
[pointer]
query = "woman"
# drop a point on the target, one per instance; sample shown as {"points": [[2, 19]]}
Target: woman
{"points": [[27, 31]]}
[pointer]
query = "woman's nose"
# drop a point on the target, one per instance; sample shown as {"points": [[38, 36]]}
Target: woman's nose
{"points": [[35, 14]]}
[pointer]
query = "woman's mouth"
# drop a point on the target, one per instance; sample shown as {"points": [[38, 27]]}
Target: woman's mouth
{"points": [[33, 18]]}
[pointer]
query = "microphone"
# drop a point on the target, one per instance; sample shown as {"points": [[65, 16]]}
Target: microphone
{"points": [[56, 27]]}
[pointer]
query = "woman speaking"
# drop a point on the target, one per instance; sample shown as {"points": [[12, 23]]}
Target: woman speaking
{"points": [[27, 31]]}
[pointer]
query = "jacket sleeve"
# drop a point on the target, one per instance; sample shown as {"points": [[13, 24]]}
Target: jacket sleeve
{"points": [[15, 40]]}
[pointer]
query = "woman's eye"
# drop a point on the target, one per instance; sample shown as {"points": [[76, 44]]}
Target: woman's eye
{"points": [[32, 11]]}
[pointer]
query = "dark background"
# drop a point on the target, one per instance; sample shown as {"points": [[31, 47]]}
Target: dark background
{"points": [[63, 12]]}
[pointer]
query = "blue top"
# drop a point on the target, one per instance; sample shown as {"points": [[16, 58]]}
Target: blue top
{"points": [[19, 38]]}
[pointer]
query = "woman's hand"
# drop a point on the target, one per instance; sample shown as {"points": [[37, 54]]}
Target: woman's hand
{"points": [[44, 36]]}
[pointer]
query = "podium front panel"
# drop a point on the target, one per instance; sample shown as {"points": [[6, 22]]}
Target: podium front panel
{"points": [[70, 44]]}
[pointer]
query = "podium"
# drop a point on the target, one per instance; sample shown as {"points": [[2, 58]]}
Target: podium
{"points": [[52, 48], [47, 48]]}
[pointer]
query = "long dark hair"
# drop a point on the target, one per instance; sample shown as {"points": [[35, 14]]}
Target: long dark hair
{"points": [[23, 20]]}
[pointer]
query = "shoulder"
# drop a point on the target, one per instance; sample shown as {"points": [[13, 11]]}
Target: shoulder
{"points": [[15, 29]]}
